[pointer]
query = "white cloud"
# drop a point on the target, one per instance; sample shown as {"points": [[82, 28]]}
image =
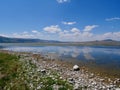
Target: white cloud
{"points": [[54, 32], [22, 35], [68, 23], [63, 1], [112, 19], [76, 36], [69, 35], [25, 32], [116, 34], [34, 31], [107, 35], [73, 33], [52, 29], [75, 30], [65, 31], [87, 34], [89, 28]]}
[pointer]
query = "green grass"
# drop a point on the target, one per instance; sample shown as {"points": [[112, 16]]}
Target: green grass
{"points": [[9, 65], [20, 74]]}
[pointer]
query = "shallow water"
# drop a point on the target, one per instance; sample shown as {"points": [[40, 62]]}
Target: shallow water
{"points": [[105, 59]]}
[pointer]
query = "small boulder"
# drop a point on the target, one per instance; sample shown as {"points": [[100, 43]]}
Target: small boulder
{"points": [[43, 71], [76, 68]]}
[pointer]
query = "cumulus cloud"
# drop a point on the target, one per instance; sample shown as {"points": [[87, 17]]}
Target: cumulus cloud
{"points": [[65, 31], [22, 35], [89, 28], [75, 35], [68, 23], [35, 31], [107, 35], [75, 30], [54, 32], [25, 32], [52, 29], [63, 1], [112, 19], [69, 35], [87, 34]]}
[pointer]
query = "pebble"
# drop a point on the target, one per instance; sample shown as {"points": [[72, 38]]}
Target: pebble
{"points": [[91, 75]]}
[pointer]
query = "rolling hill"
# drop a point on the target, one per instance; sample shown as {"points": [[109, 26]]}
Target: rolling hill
{"points": [[107, 42], [22, 40]]}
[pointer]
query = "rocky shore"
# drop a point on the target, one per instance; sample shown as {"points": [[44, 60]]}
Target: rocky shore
{"points": [[41, 72]]}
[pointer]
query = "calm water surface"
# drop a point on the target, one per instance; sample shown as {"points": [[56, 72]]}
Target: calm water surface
{"points": [[104, 58]]}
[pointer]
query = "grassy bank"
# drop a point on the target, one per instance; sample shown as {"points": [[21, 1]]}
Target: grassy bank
{"points": [[9, 66], [16, 73], [27, 71]]}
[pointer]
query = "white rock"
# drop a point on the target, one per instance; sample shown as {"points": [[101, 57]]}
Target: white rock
{"points": [[76, 86], [61, 78], [43, 71], [117, 89], [103, 87], [76, 68], [94, 83], [102, 80], [39, 87]]}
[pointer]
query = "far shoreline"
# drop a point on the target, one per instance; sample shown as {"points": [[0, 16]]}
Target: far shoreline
{"points": [[82, 44]]}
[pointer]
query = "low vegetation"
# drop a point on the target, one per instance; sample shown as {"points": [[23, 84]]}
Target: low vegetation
{"points": [[9, 65], [20, 74]]}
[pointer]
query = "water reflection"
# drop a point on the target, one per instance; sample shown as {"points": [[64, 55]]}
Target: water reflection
{"points": [[87, 53], [109, 58]]}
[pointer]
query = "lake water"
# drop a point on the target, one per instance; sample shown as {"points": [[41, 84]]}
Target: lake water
{"points": [[104, 59]]}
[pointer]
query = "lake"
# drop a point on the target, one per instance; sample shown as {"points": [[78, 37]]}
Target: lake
{"points": [[97, 58]]}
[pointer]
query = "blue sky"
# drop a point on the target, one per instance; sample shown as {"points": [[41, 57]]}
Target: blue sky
{"points": [[65, 20]]}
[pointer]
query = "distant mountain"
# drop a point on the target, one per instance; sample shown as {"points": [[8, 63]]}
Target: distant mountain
{"points": [[106, 42], [22, 40]]}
